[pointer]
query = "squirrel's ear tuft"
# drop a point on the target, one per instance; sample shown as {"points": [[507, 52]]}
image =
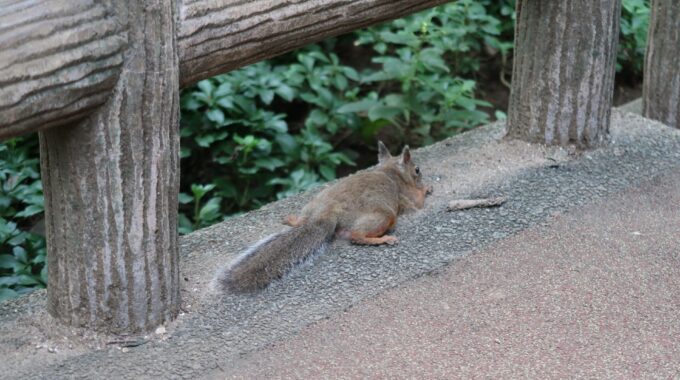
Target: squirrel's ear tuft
{"points": [[383, 153], [406, 155]]}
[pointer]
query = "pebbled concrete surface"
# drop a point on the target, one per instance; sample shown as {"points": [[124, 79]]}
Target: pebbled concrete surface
{"points": [[217, 333]]}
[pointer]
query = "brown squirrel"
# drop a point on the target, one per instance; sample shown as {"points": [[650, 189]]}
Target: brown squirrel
{"points": [[361, 208]]}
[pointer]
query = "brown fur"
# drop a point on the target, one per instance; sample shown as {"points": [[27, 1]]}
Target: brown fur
{"points": [[361, 208]]}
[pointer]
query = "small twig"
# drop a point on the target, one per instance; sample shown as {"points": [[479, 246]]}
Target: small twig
{"points": [[504, 61], [462, 204], [128, 343]]}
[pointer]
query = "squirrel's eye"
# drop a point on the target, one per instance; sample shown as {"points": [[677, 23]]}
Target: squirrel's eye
{"points": [[417, 170]]}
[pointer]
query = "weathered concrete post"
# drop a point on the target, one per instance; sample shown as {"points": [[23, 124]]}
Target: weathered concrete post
{"points": [[661, 85], [563, 74], [111, 187]]}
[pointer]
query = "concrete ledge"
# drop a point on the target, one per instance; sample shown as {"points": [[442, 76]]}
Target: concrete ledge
{"points": [[216, 331], [634, 106]]}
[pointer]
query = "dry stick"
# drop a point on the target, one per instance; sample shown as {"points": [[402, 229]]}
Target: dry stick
{"points": [[462, 204]]}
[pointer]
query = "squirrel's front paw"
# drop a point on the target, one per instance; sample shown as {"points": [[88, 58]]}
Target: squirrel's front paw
{"points": [[385, 239], [429, 189], [390, 240]]}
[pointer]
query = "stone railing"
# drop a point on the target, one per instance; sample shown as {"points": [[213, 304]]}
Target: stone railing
{"points": [[100, 81]]}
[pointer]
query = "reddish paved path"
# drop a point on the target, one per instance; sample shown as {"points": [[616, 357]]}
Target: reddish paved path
{"points": [[593, 294]]}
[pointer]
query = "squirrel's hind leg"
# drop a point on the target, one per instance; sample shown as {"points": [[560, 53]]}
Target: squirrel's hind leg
{"points": [[293, 221], [370, 229]]}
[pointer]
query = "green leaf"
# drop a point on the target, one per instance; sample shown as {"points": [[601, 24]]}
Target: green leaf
{"points": [[287, 143], [225, 103], [223, 90], [215, 115], [317, 118], [185, 225], [360, 106], [396, 67], [190, 103], [326, 97], [6, 293], [278, 126], [200, 190], [211, 210], [332, 127], [383, 112], [327, 172], [370, 129], [378, 76], [307, 61], [206, 86], [286, 92], [267, 96], [185, 198], [401, 38], [202, 98], [466, 103], [27, 280], [244, 170], [395, 100], [30, 211], [351, 73], [226, 189], [340, 82], [319, 56], [270, 163], [20, 254], [7, 261], [205, 140], [43, 274], [18, 239], [9, 281], [432, 58]]}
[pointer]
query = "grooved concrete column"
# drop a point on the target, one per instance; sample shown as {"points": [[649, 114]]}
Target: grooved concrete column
{"points": [[563, 74], [111, 187], [661, 86]]}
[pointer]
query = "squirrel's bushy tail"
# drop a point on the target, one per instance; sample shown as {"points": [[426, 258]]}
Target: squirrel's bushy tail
{"points": [[270, 258]]}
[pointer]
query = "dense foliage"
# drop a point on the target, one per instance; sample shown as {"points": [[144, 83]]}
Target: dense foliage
{"points": [[634, 25], [277, 127], [22, 253]]}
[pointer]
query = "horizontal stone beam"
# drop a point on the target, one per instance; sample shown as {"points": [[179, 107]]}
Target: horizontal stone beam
{"points": [[221, 35], [60, 59]]}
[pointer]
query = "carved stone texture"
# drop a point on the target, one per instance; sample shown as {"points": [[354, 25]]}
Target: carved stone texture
{"points": [[563, 74], [661, 86], [59, 60], [111, 187], [221, 35]]}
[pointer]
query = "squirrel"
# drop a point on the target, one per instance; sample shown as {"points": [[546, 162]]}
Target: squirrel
{"points": [[360, 208]]}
